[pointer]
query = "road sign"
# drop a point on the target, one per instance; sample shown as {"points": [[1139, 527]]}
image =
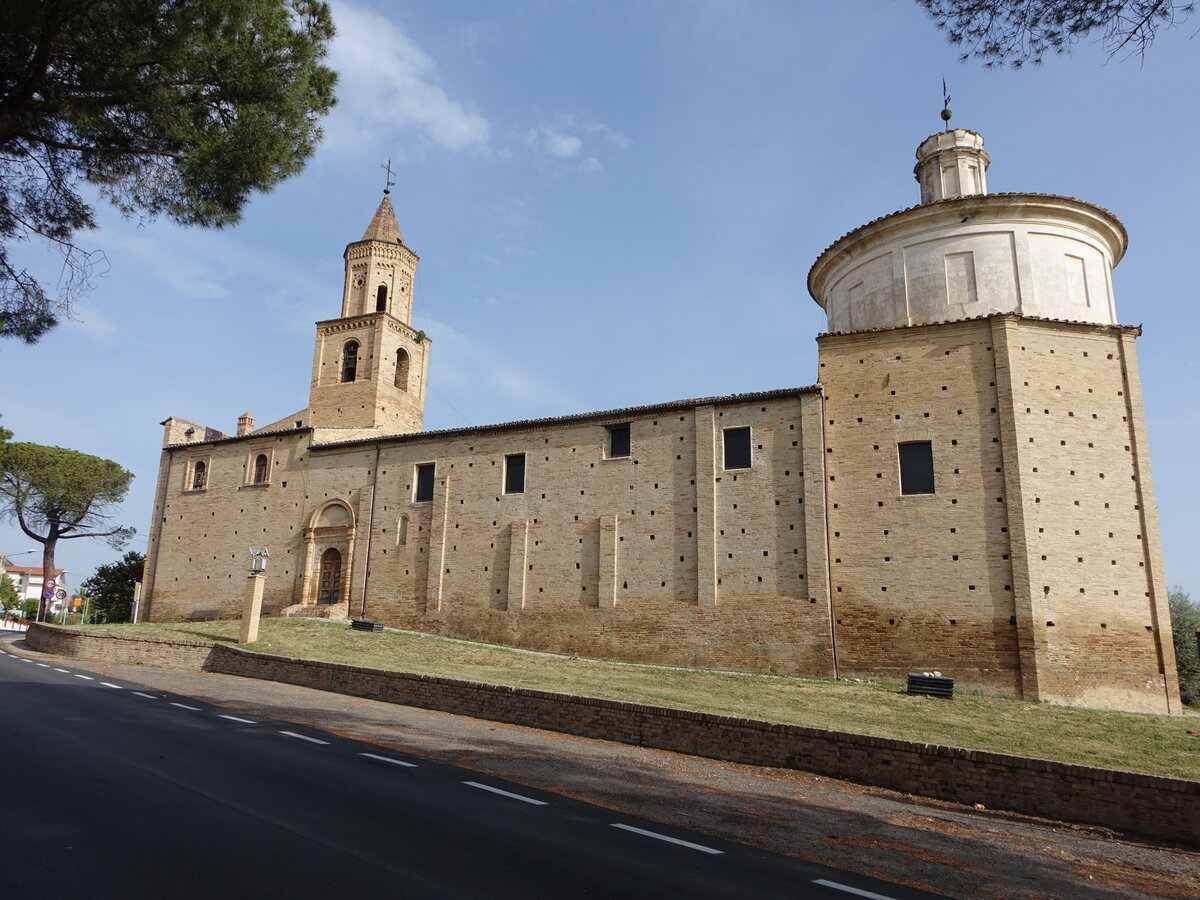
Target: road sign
{"points": [[51, 584], [61, 595], [48, 594], [78, 602]]}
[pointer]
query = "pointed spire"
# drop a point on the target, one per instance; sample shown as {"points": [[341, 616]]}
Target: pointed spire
{"points": [[383, 226]]}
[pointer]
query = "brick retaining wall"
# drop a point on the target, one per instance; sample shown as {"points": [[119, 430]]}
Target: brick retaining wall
{"points": [[121, 651], [1147, 805]]}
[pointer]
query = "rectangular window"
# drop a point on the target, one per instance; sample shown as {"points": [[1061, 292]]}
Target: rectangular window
{"points": [[737, 448], [618, 441], [424, 491], [916, 467], [514, 473]]}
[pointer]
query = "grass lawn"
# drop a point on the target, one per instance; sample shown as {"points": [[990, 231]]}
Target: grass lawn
{"points": [[1158, 745]]}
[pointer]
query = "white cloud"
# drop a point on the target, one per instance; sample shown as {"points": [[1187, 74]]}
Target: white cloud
{"points": [[564, 140], [469, 371], [166, 253], [564, 146], [92, 323], [388, 84]]}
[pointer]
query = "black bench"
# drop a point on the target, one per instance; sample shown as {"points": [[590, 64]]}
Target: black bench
{"points": [[931, 685], [365, 625]]}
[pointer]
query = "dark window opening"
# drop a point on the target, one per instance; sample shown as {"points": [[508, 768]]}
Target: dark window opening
{"points": [[618, 441], [737, 448], [381, 298], [402, 369], [199, 476], [350, 361], [424, 491], [916, 467], [260, 469], [514, 473]]}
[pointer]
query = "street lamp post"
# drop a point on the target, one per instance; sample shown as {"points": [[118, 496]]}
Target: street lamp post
{"points": [[252, 611]]}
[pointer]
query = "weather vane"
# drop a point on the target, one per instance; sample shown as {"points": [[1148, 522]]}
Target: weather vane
{"points": [[946, 111], [387, 188]]}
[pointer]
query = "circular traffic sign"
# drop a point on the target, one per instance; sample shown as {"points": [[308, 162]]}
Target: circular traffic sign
{"points": [[60, 594], [48, 594], [51, 584]]}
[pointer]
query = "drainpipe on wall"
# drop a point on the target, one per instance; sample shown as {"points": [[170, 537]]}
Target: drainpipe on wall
{"points": [[370, 530]]}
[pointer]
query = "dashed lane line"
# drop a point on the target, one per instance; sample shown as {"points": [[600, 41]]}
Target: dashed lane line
{"points": [[388, 759], [667, 838], [147, 696], [64, 671], [45, 666], [305, 737], [115, 687], [84, 677], [857, 892], [237, 719], [185, 706], [496, 790]]}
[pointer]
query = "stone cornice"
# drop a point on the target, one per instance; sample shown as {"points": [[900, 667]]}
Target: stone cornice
{"points": [[1135, 330], [614, 415], [369, 320]]}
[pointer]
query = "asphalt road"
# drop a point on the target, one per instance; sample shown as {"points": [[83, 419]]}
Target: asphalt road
{"points": [[130, 792]]}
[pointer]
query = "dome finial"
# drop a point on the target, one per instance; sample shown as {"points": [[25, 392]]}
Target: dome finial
{"points": [[947, 112]]}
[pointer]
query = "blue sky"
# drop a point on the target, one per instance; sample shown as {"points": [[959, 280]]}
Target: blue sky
{"points": [[615, 203]]}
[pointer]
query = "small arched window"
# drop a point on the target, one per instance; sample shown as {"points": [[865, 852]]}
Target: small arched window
{"points": [[402, 369], [199, 476], [260, 469], [350, 361], [381, 298]]}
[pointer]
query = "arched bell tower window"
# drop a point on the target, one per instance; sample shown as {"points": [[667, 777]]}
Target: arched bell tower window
{"points": [[199, 476], [260, 469], [349, 361], [402, 369], [381, 298]]}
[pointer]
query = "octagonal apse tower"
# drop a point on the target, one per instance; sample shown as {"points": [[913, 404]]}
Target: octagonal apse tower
{"points": [[990, 508]]}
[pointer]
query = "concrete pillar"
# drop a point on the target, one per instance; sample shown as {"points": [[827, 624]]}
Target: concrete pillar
{"points": [[252, 611]]}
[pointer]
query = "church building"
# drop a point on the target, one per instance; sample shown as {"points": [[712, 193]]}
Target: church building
{"points": [[966, 488]]}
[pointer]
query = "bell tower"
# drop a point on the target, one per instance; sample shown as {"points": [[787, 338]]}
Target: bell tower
{"points": [[370, 365]]}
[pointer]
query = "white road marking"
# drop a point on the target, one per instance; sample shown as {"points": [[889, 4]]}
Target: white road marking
{"points": [[85, 677], [857, 892], [663, 837], [388, 759], [495, 790], [304, 737], [147, 696], [64, 671], [185, 706], [243, 721], [44, 666], [115, 687]]}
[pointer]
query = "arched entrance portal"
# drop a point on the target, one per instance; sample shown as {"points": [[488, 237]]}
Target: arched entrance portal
{"points": [[329, 556], [329, 588]]}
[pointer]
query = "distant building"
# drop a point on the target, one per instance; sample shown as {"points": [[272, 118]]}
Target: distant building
{"points": [[967, 488], [30, 581]]}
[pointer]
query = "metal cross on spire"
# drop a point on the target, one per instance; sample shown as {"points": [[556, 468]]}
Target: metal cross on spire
{"points": [[387, 188], [946, 111]]}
